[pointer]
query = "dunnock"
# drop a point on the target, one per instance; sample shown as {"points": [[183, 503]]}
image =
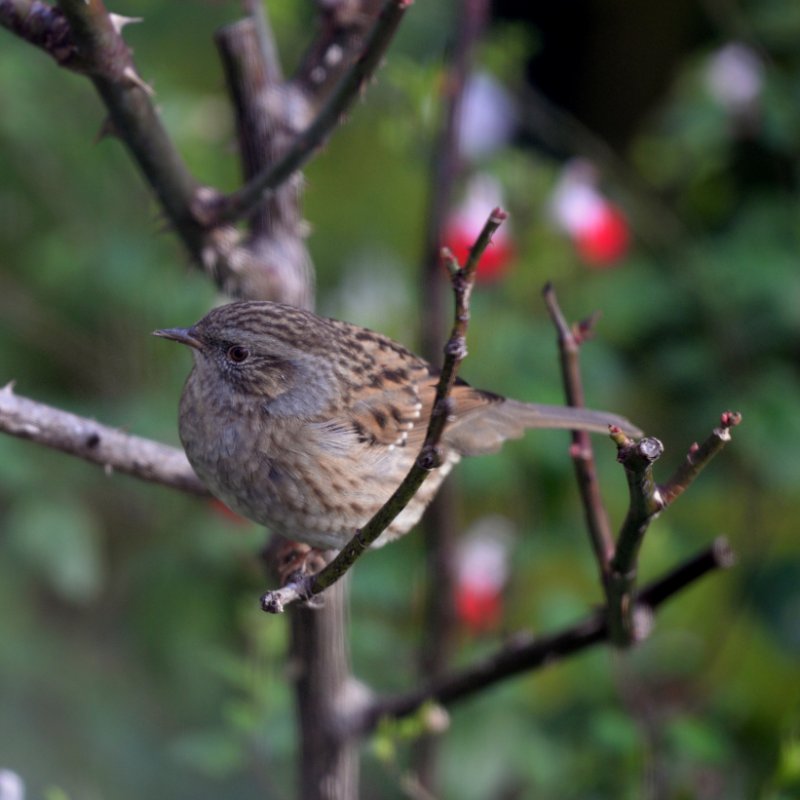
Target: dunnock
{"points": [[307, 425]]}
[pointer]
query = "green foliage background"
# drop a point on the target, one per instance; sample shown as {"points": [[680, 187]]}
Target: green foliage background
{"points": [[134, 661]]}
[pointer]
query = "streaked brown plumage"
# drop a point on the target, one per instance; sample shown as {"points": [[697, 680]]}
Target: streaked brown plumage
{"points": [[307, 425]]}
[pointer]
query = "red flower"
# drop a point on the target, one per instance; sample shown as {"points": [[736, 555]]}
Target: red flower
{"points": [[606, 241], [479, 607], [598, 228]]}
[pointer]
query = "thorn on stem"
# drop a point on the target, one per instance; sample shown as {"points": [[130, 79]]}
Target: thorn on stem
{"points": [[133, 77], [118, 22], [107, 129]]}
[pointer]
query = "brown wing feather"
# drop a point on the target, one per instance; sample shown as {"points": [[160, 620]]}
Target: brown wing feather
{"points": [[386, 404], [388, 417]]}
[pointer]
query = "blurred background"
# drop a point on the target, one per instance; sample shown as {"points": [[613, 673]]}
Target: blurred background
{"points": [[649, 157]]}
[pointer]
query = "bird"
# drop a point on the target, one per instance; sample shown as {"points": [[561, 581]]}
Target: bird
{"points": [[307, 425]]}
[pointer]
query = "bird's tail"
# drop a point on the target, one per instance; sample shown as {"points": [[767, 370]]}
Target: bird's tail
{"points": [[484, 432]]}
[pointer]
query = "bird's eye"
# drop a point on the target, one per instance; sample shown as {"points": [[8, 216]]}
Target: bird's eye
{"points": [[237, 354]]}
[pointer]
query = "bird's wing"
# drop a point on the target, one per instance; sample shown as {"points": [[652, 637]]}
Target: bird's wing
{"points": [[391, 417]]}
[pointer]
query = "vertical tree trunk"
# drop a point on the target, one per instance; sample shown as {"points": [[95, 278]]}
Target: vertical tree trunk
{"points": [[328, 766]]}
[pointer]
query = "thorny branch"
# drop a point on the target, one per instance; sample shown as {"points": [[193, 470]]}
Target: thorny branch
{"points": [[462, 279], [83, 36]]}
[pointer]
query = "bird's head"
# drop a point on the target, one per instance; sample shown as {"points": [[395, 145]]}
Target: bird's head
{"points": [[249, 348]]}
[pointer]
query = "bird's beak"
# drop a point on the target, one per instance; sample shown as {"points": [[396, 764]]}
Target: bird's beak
{"points": [[182, 335]]}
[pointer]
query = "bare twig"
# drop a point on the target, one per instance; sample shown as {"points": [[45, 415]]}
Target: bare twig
{"points": [[216, 209], [446, 161], [524, 653], [719, 555], [618, 561], [627, 622], [429, 457], [569, 341], [110, 448], [158, 463], [697, 458]]}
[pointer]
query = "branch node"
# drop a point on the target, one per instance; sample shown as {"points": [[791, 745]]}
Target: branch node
{"points": [[430, 458], [450, 262], [636, 453], [456, 347]]}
